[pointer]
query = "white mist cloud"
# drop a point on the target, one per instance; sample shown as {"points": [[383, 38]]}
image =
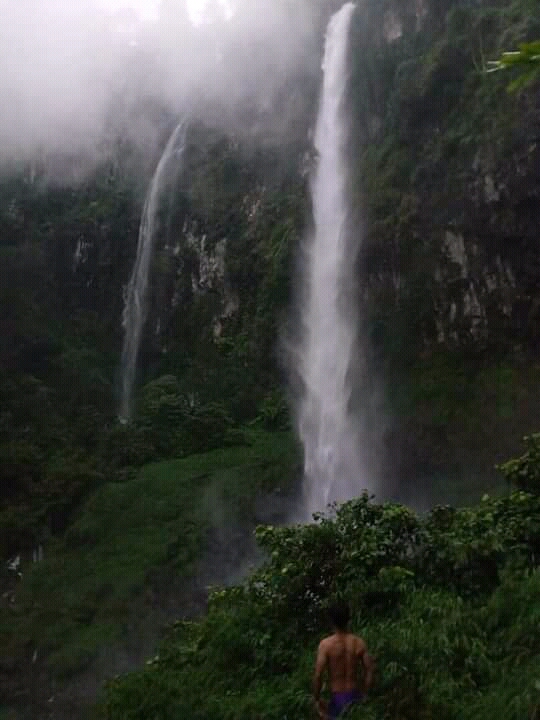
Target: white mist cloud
{"points": [[56, 65], [66, 64], [147, 10]]}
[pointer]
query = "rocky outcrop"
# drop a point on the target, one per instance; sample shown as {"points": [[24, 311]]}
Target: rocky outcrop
{"points": [[446, 180], [448, 161]]}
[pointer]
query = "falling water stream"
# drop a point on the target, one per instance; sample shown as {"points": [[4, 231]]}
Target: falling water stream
{"points": [[332, 464], [136, 296], [333, 467]]}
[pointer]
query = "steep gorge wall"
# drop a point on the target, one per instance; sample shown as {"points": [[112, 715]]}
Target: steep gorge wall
{"points": [[222, 274], [445, 181], [447, 171]]}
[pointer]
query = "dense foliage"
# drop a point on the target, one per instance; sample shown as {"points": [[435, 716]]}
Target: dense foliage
{"points": [[526, 60], [134, 556], [61, 253], [447, 602]]}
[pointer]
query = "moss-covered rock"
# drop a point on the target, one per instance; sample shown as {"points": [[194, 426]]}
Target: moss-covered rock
{"points": [[445, 180]]}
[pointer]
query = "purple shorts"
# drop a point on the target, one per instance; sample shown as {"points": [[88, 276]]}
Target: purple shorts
{"points": [[340, 701]]}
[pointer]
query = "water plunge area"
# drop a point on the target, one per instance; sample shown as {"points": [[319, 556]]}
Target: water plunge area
{"points": [[333, 469], [135, 307]]}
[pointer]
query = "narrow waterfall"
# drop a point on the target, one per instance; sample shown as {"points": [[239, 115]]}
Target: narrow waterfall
{"points": [[135, 307], [332, 470]]}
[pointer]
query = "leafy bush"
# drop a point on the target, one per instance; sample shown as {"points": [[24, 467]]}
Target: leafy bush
{"points": [[274, 411], [526, 59], [446, 603], [177, 422], [524, 472]]}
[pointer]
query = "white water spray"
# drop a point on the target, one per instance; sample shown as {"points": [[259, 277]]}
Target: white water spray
{"points": [[333, 468], [135, 307]]}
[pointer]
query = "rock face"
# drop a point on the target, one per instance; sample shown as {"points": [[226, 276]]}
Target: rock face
{"points": [[445, 184], [447, 179], [220, 283], [449, 163]]}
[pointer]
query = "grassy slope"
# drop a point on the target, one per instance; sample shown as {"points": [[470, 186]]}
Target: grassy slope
{"points": [[95, 585]]}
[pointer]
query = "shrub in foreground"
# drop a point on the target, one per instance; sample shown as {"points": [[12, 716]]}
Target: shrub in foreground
{"points": [[448, 603]]}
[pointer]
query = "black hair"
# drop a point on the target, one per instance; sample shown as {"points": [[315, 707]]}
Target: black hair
{"points": [[339, 615]]}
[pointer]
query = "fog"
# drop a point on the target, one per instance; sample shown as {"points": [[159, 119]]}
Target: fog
{"points": [[74, 71]]}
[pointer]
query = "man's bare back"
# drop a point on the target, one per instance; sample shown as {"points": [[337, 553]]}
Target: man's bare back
{"points": [[343, 656]]}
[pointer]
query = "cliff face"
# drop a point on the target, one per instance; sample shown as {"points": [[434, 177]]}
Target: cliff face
{"points": [[446, 179], [448, 171], [221, 278]]}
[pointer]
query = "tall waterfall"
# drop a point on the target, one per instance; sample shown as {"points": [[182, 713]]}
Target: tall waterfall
{"points": [[135, 307], [332, 469]]}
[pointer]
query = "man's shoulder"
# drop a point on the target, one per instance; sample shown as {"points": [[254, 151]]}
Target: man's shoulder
{"points": [[359, 643], [330, 640]]}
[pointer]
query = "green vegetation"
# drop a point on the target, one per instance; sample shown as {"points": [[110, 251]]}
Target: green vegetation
{"points": [[58, 354], [526, 60], [122, 545], [445, 194], [130, 540], [66, 253], [447, 602], [435, 138], [444, 163], [524, 472]]}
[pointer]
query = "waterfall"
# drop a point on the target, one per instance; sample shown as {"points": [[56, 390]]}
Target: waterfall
{"points": [[332, 470], [135, 306]]}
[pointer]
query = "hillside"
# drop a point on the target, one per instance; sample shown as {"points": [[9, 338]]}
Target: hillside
{"points": [[447, 602], [139, 554]]}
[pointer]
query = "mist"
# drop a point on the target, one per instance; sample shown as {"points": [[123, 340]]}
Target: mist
{"points": [[72, 74]]}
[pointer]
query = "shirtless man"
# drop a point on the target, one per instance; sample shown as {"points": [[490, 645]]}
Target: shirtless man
{"points": [[341, 654]]}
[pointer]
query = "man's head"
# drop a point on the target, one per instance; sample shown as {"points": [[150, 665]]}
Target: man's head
{"points": [[339, 616]]}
